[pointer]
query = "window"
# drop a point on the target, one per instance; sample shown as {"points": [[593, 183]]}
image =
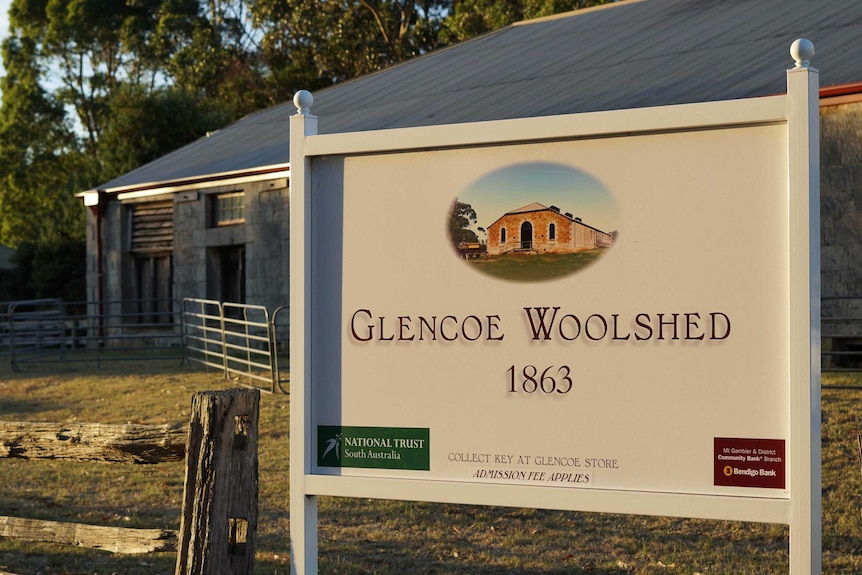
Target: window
{"points": [[228, 209], [149, 273], [151, 227], [503, 235], [552, 232]]}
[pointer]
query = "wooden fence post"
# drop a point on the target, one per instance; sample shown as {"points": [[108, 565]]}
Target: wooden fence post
{"points": [[219, 520]]}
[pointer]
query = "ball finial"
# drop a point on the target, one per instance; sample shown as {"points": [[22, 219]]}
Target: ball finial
{"points": [[802, 51], [303, 101]]}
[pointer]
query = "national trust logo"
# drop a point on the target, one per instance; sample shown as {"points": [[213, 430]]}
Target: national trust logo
{"points": [[333, 445]]}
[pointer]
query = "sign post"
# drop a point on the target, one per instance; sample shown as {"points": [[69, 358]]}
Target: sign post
{"points": [[613, 312], [804, 180]]}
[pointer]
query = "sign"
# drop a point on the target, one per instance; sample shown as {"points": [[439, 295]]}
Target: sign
{"points": [[585, 359], [372, 447], [606, 312], [750, 462]]}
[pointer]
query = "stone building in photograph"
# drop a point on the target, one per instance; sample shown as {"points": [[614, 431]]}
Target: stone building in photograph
{"points": [[538, 229]]}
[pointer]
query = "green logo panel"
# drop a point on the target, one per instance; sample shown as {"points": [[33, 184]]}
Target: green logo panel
{"points": [[373, 447]]}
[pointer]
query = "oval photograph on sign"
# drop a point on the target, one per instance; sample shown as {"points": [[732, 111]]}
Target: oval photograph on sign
{"points": [[533, 222]]}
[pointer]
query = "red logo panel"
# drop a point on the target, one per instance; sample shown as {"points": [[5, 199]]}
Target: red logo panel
{"points": [[749, 462]]}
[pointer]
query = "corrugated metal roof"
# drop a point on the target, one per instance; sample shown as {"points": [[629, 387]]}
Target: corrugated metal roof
{"points": [[626, 55]]}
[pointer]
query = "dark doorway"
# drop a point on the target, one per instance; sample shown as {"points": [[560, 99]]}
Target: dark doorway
{"points": [[526, 236], [232, 272]]}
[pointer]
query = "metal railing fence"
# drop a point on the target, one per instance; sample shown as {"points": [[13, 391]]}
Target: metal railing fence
{"points": [[240, 340], [34, 333]]}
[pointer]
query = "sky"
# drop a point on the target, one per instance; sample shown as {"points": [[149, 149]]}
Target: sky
{"points": [[4, 25]]}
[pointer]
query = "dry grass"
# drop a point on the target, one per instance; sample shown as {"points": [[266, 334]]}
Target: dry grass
{"points": [[386, 537]]}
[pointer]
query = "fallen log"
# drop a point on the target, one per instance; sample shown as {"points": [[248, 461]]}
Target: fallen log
{"points": [[115, 539], [140, 444]]}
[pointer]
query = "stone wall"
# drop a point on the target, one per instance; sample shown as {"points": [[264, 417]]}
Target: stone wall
{"points": [[841, 215], [571, 236], [265, 236]]}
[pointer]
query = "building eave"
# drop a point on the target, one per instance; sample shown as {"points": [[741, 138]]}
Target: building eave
{"points": [[237, 177], [841, 94]]}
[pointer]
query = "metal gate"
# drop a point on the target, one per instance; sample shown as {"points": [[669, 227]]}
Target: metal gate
{"points": [[237, 339]]}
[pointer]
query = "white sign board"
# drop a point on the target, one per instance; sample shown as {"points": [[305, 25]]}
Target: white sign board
{"points": [[599, 312]]}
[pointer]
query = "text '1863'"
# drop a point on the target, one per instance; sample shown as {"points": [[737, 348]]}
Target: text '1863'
{"points": [[552, 379]]}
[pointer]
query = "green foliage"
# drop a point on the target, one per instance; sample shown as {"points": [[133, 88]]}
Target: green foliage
{"points": [[470, 18], [36, 199], [460, 218], [147, 124], [47, 270], [347, 38]]}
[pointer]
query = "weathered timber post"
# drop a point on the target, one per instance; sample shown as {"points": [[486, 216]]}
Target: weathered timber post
{"points": [[219, 520]]}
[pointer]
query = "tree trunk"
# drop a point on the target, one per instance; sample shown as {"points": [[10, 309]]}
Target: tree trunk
{"points": [[116, 539], [142, 444]]}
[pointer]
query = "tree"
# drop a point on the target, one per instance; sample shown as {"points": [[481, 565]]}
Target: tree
{"points": [[144, 125], [460, 219], [469, 18], [37, 148], [47, 270], [110, 106], [92, 48], [342, 39]]}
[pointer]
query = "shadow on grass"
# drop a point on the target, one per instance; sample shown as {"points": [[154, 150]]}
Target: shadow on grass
{"points": [[390, 537], [364, 536], [49, 559], [15, 406]]}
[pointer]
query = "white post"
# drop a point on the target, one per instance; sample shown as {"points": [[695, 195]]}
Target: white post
{"points": [[804, 182], [303, 508]]}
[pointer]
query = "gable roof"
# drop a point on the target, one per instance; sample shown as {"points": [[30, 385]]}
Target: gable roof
{"points": [[534, 207], [635, 53], [537, 207]]}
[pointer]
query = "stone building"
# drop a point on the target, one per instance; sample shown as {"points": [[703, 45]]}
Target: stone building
{"points": [[539, 229], [210, 220], [225, 242]]}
